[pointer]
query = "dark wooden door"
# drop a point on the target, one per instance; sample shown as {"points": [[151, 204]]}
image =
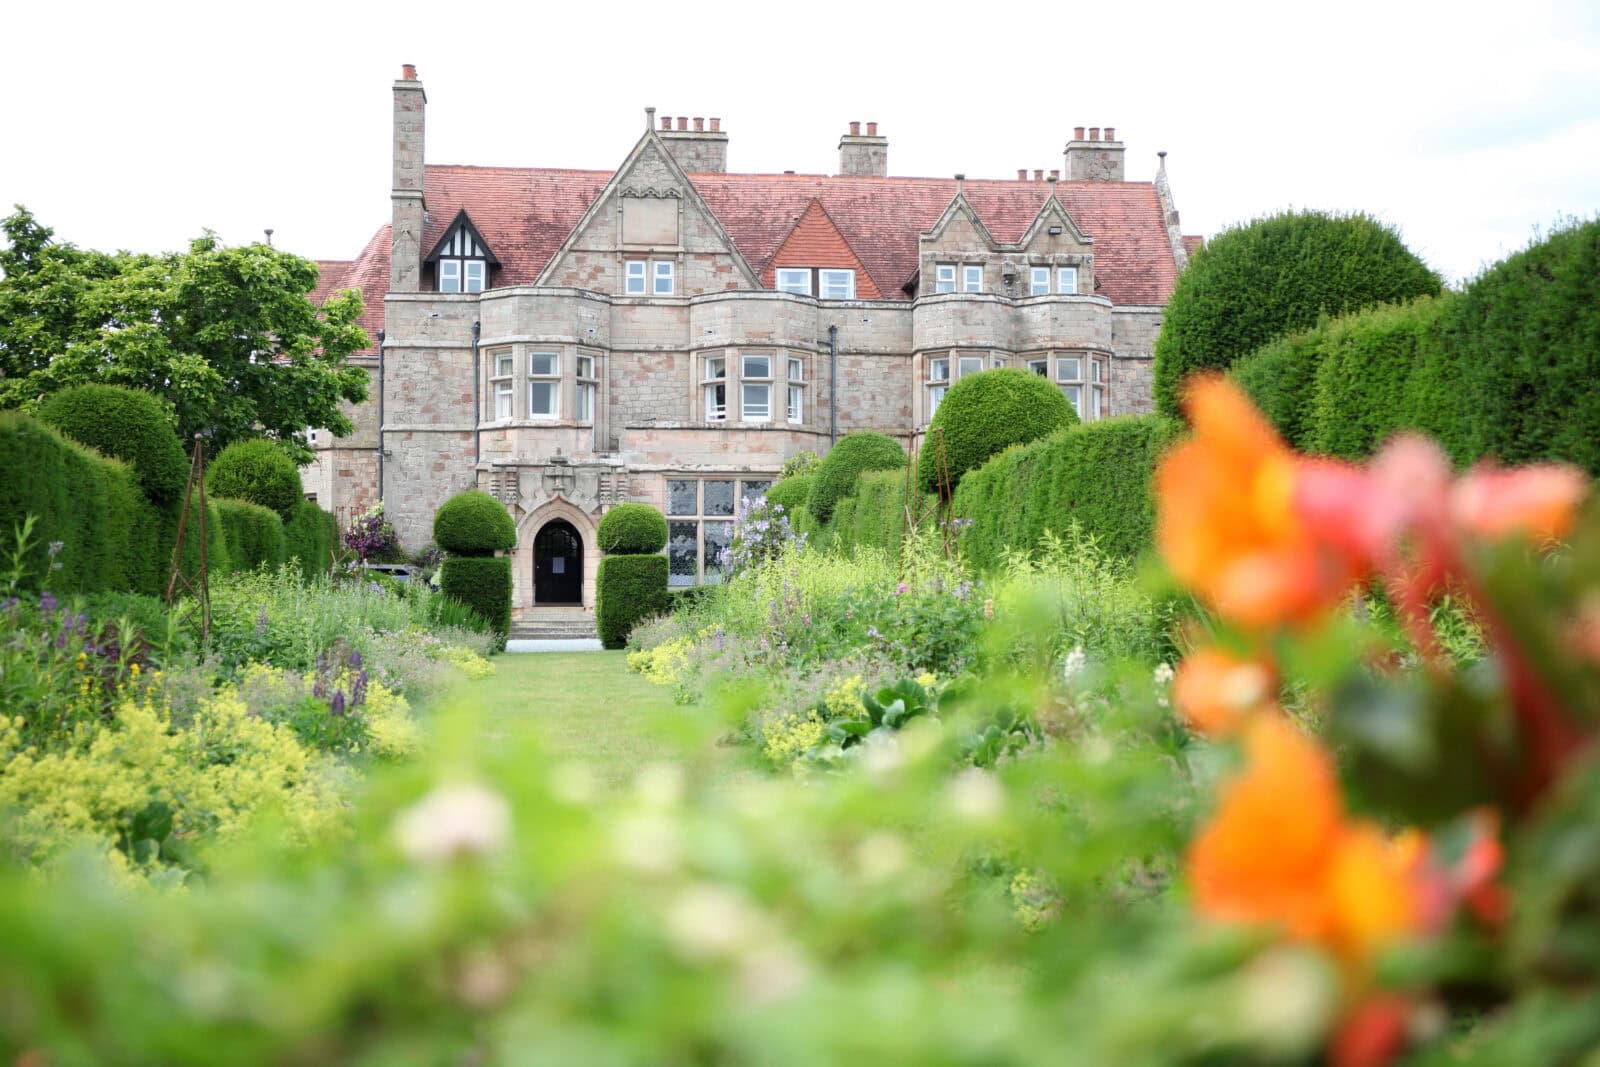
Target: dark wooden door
{"points": [[558, 565]]}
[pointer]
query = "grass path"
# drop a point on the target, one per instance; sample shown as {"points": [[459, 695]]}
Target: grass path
{"points": [[587, 706]]}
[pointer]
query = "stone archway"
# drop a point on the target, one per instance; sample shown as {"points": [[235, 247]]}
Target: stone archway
{"points": [[558, 564], [530, 524]]}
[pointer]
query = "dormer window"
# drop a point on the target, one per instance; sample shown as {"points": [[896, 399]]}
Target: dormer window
{"points": [[826, 282], [461, 259]]}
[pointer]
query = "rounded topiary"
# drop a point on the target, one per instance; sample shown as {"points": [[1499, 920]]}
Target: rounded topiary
{"points": [[257, 471], [984, 414], [835, 477], [473, 523], [128, 424], [1272, 276], [791, 493], [631, 530]]}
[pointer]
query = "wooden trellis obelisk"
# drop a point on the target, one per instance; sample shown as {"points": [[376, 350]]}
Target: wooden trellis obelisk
{"points": [[910, 502], [197, 587]]}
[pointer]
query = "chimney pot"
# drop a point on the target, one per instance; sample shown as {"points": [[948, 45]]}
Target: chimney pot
{"points": [[872, 129], [408, 72], [1111, 133], [855, 129], [683, 122], [1038, 175], [1055, 175], [1022, 174], [1094, 133], [716, 125], [1077, 133], [699, 125], [666, 122]]}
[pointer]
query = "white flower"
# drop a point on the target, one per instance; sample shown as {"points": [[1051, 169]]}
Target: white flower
{"points": [[452, 821], [1163, 674], [707, 921], [1073, 664], [976, 795], [881, 856]]}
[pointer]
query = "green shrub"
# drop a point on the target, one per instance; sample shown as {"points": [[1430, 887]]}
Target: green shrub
{"points": [[835, 477], [629, 589], [217, 559], [1255, 282], [482, 583], [791, 493], [876, 515], [254, 534], [125, 424], [1281, 378], [631, 529], [1097, 475], [984, 414], [309, 536], [258, 472], [473, 523], [802, 462]]}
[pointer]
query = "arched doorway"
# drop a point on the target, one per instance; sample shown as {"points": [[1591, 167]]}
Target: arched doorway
{"points": [[558, 564]]}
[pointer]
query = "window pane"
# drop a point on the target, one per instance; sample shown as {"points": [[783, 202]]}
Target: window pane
{"points": [[971, 279], [938, 370], [635, 285], [1069, 370], [757, 401], [793, 280], [1040, 367], [945, 276], [586, 366], [1096, 398], [449, 275], [797, 403], [716, 367], [474, 275], [663, 274], [541, 398], [719, 497], [718, 536], [1074, 397], [681, 496], [970, 364], [543, 363], [757, 367], [586, 402], [754, 490], [502, 366], [838, 285], [1039, 281], [502, 400], [1094, 369], [797, 371], [716, 402], [935, 395], [1066, 279], [683, 552]]}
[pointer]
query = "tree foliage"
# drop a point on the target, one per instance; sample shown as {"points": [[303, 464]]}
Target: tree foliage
{"points": [[1272, 276], [227, 337]]}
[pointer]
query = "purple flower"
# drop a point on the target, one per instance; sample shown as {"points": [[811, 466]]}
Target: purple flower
{"points": [[358, 688], [901, 589], [720, 639], [355, 658], [337, 706], [47, 604], [261, 622]]}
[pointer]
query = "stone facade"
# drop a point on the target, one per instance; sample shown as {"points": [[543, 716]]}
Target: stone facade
{"points": [[643, 359]]}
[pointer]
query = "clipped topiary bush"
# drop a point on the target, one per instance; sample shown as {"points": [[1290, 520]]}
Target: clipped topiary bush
{"points": [[258, 472], [1258, 281], [835, 477], [791, 494], [126, 424], [254, 534], [628, 590], [876, 515], [309, 537], [473, 523], [984, 414], [631, 529], [482, 583]]}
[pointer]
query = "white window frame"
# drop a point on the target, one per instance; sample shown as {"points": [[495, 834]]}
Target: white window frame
{"points": [[552, 378], [836, 284], [748, 411], [966, 365], [792, 280], [701, 520], [663, 270], [971, 277], [1098, 395], [1041, 367], [636, 275], [473, 275], [502, 384], [714, 375], [944, 275], [1067, 280], [1039, 281], [449, 276], [938, 381], [797, 391], [587, 389]]}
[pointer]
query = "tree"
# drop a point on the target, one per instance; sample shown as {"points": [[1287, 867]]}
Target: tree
{"points": [[1253, 283], [227, 337]]}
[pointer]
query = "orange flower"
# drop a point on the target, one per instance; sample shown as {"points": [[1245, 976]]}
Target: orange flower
{"points": [[1539, 502], [1226, 522], [1216, 692]]}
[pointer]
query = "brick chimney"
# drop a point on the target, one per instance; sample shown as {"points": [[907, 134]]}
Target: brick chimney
{"points": [[406, 193], [864, 155], [1090, 159], [701, 150]]}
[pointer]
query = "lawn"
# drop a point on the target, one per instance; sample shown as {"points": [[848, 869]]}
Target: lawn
{"points": [[588, 707]]}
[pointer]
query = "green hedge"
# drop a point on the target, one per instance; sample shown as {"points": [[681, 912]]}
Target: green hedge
{"points": [[1259, 281], [254, 535], [984, 414], [125, 424], [309, 536], [791, 494], [218, 561], [473, 523], [1097, 474], [628, 590], [482, 583], [631, 529], [876, 515], [835, 477], [258, 472]]}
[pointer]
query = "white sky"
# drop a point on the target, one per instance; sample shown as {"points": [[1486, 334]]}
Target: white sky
{"points": [[1466, 124]]}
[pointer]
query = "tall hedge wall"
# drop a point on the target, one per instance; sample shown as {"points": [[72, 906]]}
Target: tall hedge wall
{"points": [[1097, 474], [254, 534], [309, 536], [482, 583], [217, 559], [628, 590], [876, 514]]}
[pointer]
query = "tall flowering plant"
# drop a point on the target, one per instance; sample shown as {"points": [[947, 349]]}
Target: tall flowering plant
{"points": [[761, 529], [1447, 861], [371, 536]]}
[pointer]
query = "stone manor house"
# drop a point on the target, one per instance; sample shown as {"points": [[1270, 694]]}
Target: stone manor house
{"points": [[670, 333]]}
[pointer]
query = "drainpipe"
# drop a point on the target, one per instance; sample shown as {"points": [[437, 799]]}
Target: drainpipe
{"points": [[380, 415], [477, 405], [833, 385]]}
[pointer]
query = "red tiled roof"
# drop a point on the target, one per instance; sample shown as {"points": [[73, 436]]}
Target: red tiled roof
{"points": [[525, 214], [815, 241]]}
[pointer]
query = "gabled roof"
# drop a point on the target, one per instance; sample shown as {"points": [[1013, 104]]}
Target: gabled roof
{"points": [[462, 223], [815, 241], [527, 213]]}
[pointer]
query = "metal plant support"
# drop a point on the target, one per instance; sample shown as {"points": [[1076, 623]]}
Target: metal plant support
{"points": [[198, 587], [910, 502]]}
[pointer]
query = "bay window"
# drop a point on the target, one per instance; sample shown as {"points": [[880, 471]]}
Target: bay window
{"points": [[501, 384], [587, 387], [714, 384], [797, 390], [544, 385], [755, 388]]}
